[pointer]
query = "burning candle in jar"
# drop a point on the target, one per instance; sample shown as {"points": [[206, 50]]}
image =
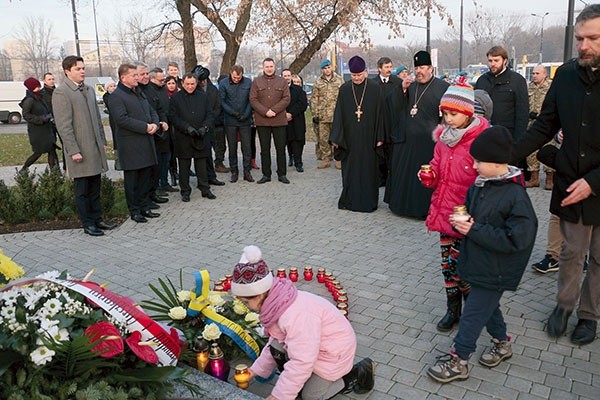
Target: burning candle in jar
{"points": [[426, 175], [321, 275], [242, 376], [328, 279], [344, 313], [460, 213], [281, 273], [227, 282], [342, 293], [294, 274], [342, 306], [200, 346], [308, 273], [219, 287], [333, 286]]}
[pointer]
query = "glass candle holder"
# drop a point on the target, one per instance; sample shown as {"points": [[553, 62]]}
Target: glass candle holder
{"points": [[294, 274], [321, 275], [460, 213], [281, 273], [242, 376], [308, 273], [426, 175]]}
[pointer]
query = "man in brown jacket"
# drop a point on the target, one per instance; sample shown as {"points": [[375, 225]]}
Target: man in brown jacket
{"points": [[269, 96], [79, 125]]}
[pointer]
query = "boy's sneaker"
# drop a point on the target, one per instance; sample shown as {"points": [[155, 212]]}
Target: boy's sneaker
{"points": [[500, 351], [548, 264], [450, 367]]}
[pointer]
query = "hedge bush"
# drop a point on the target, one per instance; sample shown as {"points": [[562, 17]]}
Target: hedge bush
{"points": [[50, 196]]}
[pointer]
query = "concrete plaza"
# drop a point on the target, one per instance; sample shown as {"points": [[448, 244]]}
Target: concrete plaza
{"points": [[388, 265]]}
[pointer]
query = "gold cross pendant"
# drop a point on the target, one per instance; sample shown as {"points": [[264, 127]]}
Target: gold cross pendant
{"points": [[358, 113]]}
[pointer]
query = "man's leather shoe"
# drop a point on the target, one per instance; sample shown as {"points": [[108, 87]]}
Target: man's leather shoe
{"points": [[585, 332], [264, 179], [209, 195], [283, 179], [105, 225], [153, 206], [150, 214], [234, 177], [169, 189], [138, 218], [158, 199], [557, 323], [185, 197], [215, 182], [221, 168], [248, 177], [161, 193], [92, 230], [299, 169]]}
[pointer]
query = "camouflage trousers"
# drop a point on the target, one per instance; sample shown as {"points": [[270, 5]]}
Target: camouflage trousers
{"points": [[323, 137]]}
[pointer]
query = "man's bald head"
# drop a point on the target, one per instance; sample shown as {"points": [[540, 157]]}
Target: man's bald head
{"points": [[539, 74]]}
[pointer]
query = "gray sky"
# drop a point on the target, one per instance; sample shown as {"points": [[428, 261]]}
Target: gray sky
{"points": [[108, 11]]}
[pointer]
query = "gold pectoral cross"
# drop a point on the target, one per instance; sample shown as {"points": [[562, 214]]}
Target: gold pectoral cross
{"points": [[358, 113]]}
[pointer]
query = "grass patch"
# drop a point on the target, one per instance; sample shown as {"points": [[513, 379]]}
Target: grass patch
{"points": [[15, 150]]}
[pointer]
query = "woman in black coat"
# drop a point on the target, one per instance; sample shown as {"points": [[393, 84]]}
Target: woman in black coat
{"points": [[296, 127], [39, 125]]}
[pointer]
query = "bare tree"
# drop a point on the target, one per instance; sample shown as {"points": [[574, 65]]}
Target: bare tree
{"points": [[35, 38], [139, 41]]}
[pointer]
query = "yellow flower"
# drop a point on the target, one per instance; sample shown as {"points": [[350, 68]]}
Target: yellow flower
{"points": [[252, 318], [216, 300], [239, 308], [177, 313], [9, 268], [183, 296], [211, 332]]}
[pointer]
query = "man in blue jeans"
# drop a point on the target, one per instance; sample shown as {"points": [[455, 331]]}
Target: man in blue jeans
{"points": [[235, 101]]}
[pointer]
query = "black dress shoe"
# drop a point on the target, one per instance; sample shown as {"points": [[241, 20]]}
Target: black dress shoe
{"points": [[92, 230], [150, 214], [557, 323], [299, 169], [153, 206], [234, 177], [248, 177], [185, 197], [105, 225], [291, 162], [138, 218], [264, 179], [216, 182], [209, 195], [283, 179], [585, 332], [158, 199]]}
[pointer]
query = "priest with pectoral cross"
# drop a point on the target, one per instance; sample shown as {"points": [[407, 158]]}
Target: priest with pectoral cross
{"points": [[357, 135]]}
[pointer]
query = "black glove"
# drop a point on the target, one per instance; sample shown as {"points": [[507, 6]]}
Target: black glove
{"points": [[192, 131], [315, 120], [533, 115], [202, 131], [237, 115]]}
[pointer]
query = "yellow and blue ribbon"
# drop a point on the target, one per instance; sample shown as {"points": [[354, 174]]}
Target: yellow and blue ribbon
{"points": [[199, 304]]}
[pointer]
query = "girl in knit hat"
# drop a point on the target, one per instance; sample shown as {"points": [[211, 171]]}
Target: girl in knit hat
{"points": [[310, 342], [452, 166], [40, 127]]}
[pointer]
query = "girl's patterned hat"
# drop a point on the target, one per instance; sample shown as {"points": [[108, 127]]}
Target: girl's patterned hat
{"points": [[251, 276], [459, 97]]}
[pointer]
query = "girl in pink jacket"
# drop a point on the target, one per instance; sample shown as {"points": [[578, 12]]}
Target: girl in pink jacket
{"points": [[311, 342], [452, 166]]}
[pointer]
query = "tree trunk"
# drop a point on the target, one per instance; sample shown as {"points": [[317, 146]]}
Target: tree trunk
{"points": [[189, 43]]}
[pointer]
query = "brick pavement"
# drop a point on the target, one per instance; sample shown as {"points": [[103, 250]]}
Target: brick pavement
{"points": [[389, 266]]}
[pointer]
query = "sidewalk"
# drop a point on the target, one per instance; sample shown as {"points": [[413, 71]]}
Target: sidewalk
{"points": [[388, 265]]}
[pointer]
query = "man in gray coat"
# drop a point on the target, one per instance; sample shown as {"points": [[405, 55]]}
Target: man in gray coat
{"points": [[79, 125]]}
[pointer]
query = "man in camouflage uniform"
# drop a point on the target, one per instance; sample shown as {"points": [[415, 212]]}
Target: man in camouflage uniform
{"points": [[538, 88], [322, 104]]}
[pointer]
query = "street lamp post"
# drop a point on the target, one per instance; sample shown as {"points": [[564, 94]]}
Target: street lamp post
{"points": [[541, 33]]}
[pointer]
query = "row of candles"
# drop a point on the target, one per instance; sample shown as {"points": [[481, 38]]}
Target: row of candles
{"points": [[333, 286]]}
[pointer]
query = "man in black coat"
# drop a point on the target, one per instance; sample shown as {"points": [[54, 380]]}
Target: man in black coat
{"points": [[296, 127], [157, 96], [571, 104], [136, 124], [191, 115], [509, 94]]}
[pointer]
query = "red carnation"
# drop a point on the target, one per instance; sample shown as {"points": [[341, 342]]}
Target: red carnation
{"points": [[108, 338], [143, 350]]}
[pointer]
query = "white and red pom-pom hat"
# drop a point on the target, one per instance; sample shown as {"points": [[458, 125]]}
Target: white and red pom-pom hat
{"points": [[251, 275]]}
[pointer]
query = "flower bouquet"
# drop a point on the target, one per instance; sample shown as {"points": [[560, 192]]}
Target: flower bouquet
{"points": [[62, 338], [207, 316], [9, 270]]}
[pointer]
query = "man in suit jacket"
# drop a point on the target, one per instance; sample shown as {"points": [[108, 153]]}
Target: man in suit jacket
{"points": [[79, 125], [136, 123]]}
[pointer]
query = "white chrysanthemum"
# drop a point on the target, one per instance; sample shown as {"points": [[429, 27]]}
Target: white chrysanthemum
{"points": [[41, 355], [211, 332], [183, 296], [252, 318], [49, 275], [8, 312], [52, 307]]}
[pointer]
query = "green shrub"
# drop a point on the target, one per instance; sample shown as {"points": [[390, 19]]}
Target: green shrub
{"points": [[52, 193], [107, 194], [25, 194]]}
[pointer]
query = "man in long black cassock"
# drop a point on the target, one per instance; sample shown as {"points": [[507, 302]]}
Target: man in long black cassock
{"points": [[357, 133], [413, 113]]}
